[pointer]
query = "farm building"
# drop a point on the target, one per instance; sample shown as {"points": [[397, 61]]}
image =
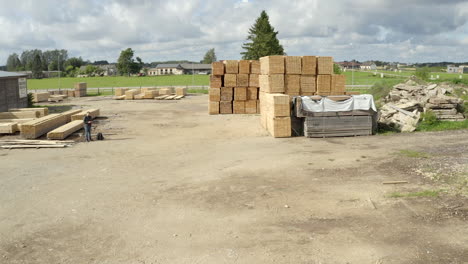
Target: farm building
{"points": [[368, 66], [179, 69], [13, 90]]}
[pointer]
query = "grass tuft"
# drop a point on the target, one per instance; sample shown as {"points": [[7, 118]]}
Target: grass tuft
{"points": [[413, 154], [426, 193]]}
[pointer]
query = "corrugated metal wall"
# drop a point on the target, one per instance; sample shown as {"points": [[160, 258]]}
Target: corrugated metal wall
{"points": [[9, 95]]}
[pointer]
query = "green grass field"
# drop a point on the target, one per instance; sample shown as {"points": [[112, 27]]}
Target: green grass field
{"points": [[119, 81], [360, 78]]}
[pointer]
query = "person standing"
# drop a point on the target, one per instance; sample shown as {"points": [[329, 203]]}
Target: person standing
{"points": [[87, 121]]}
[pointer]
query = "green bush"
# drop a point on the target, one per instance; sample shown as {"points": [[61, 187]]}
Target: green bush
{"points": [[429, 118], [423, 73], [382, 88], [336, 69], [30, 100]]}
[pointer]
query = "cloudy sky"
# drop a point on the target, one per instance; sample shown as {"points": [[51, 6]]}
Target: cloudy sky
{"points": [[396, 30]]}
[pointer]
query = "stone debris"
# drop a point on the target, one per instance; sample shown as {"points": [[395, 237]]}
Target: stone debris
{"points": [[406, 101]]}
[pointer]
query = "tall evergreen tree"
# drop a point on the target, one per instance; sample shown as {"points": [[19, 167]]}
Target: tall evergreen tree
{"points": [[262, 40], [13, 62], [210, 57], [36, 67]]}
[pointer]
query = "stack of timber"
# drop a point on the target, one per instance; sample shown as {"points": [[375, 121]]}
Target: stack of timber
{"points": [[68, 114], [276, 114], [41, 97], [181, 91], [20, 114], [38, 127], [338, 125], [56, 98], [234, 87], [22, 144], [65, 130], [120, 91], [130, 94], [80, 89], [80, 116], [43, 111], [294, 76]]}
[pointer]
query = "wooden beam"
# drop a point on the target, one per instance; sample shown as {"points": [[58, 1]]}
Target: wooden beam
{"points": [[65, 130]]}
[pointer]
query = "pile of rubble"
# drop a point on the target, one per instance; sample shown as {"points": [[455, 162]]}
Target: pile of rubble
{"points": [[406, 101]]}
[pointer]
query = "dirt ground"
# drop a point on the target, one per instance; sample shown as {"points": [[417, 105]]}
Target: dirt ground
{"points": [[175, 185]]}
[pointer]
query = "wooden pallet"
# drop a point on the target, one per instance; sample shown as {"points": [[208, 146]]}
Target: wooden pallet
{"points": [[65, 130]]}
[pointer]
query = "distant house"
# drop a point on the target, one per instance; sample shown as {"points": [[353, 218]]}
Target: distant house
{"points": [[108, 70], [13, 90], [452, 69], [370, 66], [179, 69], [463, 69], [349, 65], [455, 69]]}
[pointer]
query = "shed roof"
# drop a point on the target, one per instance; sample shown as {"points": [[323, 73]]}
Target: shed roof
{"points": [[167, 66], [196, 66], [5, 74]]}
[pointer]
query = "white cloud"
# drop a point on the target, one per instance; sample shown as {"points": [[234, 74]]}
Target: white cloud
{"points": [[405, 30]]}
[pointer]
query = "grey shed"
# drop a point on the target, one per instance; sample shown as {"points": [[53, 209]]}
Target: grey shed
{"points": [[13, 90]]}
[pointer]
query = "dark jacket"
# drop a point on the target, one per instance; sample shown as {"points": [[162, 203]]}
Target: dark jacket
{"points": [[87, 120]]}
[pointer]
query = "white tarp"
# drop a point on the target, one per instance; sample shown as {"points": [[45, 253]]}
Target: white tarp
{"points": [[356, 102]]}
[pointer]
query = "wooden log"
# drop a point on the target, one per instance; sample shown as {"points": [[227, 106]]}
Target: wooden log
{"points": [[255, 67], [171, 97], [166, 91], [38, 127], [65, 130], [80, 116], [225, 107], [214, 94], [139, 96], [272, 83], [309, 65], [293, 65], [231, 66], [253, 80], [43, 111], [238, 107], [20, 114], [122, 97], [178, 97], [216, 81], [230, 80], [240, 94]]}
